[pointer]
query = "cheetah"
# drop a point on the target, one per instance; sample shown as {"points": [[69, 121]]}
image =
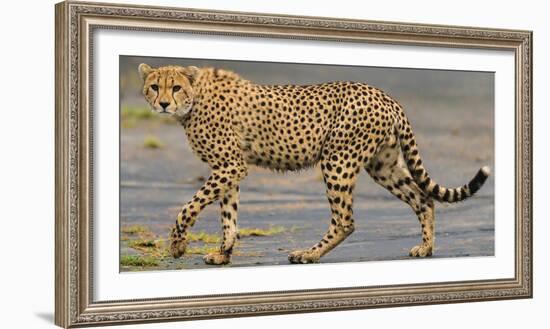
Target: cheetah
{"points": [[232, 123]]}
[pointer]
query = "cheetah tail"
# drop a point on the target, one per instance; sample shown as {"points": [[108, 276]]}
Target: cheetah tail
{"points": [[421, 177]]}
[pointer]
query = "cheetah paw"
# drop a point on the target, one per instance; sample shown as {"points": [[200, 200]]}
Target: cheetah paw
{"points": [[177, 247], [304, 257], [216, 258], [422, 250]]}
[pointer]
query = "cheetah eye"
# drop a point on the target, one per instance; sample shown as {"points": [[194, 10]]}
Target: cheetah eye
{"points": [[155, 87], [176, 88]]}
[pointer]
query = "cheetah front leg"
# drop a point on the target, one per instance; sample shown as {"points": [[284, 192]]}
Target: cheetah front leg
{"points": [[221, 182], [229, 205]]}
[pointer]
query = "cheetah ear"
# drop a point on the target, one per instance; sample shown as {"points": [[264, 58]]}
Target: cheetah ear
{"points": [[190, 72], [144, 70]]}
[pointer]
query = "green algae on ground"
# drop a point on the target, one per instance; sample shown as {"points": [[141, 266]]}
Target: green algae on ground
{"points": [[132, 115], [202, 250], [204, 237], [138, 260], [144, 243], [134, 229], [136, 113], [150, 247], [272, 230], [154, 252], [152, 142]]}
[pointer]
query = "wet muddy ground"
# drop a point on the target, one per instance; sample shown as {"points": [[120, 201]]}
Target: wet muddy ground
{"points": [[283, 212]]}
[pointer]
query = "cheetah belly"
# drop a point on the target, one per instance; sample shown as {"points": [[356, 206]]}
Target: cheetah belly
{"points": [[283, 154]]}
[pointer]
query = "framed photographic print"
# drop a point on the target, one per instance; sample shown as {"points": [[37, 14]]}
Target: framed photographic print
{"points": [[218, 164]]}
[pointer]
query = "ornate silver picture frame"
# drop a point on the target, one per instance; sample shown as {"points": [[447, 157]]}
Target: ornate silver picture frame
{"points": [[76, 128]]}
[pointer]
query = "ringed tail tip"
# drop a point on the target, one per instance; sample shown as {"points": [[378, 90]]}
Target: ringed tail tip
{"points": [[486, 170], [475, 184]]}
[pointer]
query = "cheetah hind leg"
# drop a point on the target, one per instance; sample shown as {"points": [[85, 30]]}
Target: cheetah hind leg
{"points": [[335, 235], [427, 219], [389, 170], [340, 181]]}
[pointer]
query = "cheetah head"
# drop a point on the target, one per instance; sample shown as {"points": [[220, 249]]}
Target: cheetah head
{"points": [[169, 89]]}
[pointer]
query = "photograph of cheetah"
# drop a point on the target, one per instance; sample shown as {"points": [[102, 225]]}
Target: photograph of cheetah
{"points": [[212, 130]]}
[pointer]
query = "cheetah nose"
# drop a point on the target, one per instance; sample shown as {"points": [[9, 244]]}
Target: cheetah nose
{"points": [[164, 105]]}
